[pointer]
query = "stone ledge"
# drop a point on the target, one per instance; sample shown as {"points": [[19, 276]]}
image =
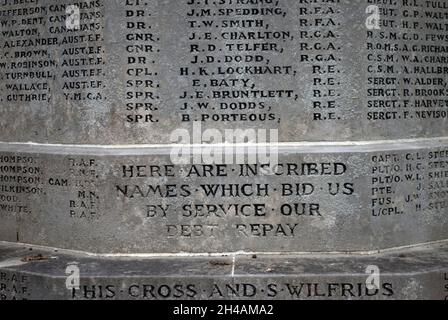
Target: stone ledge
{"points": [[34, 273], [315, 202]]}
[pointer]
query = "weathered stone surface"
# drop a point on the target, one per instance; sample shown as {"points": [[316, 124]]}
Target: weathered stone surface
{"points": [[320, 198], [410, 274], [122, 77], [356, 89]]}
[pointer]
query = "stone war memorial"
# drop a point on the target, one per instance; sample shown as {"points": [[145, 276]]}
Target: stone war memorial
{"points": [[224, 149]]}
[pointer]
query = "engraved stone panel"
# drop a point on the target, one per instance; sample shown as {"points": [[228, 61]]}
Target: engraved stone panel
{"points": [[410, 274], [93, 94], [134, 70], [135, 200]]}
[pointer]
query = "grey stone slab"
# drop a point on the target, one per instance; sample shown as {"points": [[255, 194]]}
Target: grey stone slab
{"points": [[417, 273], [314, 71], [134, 200], [88, 113]]}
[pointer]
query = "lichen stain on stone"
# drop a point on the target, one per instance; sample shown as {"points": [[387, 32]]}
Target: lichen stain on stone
{"points": [[37, 257]]}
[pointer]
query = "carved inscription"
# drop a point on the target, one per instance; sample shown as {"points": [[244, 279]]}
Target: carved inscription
{"points": [[127, 72], [287, 289], [153, 205], [13, 286]]}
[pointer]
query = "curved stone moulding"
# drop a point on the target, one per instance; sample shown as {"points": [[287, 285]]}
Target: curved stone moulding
{"points": [[133, 200]]}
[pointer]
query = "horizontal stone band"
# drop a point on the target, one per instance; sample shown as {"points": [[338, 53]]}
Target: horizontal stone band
{"points": [[135, 200], [419, 273]]}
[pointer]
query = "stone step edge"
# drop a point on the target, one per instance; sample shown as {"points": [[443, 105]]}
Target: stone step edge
{"points": [[421, 247], [410, 274]]}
